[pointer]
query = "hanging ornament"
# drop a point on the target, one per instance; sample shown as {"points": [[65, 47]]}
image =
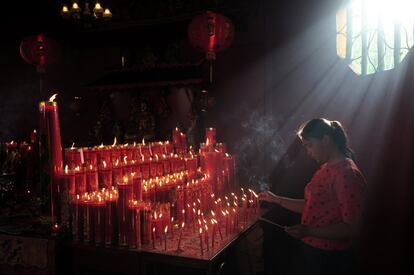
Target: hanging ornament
{"points": [[40, 51], [211, 32]]}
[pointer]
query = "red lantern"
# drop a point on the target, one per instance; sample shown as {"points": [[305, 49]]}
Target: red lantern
{"points": [[40, 50], [211, 33]]}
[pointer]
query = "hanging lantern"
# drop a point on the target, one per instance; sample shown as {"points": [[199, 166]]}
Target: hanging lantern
{"points": [[40, 51], [211, 32]]}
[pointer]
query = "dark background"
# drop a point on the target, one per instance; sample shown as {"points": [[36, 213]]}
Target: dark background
{"points": [[281, 70]]}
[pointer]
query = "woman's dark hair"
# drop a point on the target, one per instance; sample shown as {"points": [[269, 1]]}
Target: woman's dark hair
{"points": [[319, 127]]}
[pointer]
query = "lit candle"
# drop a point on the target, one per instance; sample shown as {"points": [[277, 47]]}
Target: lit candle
{"points": [[125, 195], [165, 237], [105, 175], [206, 236], [77, 219], [181, 234], [201, 241], [110, 217], [99, 219], [211, 136], [153, 237]]}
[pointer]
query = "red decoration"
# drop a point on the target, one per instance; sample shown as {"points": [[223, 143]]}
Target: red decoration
{"points": [[40, 50], [211, 32]]}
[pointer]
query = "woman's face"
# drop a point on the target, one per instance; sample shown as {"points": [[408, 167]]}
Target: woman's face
{"points": [[316, 148]]}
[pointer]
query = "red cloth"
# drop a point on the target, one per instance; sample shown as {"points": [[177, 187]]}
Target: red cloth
{"points": [[334, 195]]}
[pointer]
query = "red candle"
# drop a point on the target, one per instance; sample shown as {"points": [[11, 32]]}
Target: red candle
{"points": [[80, 180], [213, 224], [88, 219], [110, 217], [147, 227], [91, 178], [116, 173], [183, 141], [77, 219], [72, 157], [176, 139], [211, 136], [181, 234], [124, 196], [206, 237], [191, 167], [134, 236], [211, 169], [105, 176], [99, 219], [153, 167], [165, 237], [50, 125], [145, 169], [153, 237], [136, 186], [229, 169], [103, 156], [90, 157], [201, 241], [166, 164]]}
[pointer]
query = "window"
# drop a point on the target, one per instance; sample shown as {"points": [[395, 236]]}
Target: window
{"points": [[374, 35]]}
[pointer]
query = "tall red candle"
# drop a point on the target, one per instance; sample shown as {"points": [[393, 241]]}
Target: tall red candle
{"points": [[124, 196], [77, 219], [91, 178], [105, 176], [99, 219], [211, 136], [80, 180], [110, 218]]}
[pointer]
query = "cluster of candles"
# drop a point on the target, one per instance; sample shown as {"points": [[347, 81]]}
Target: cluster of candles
{"points": [[135, 195], [112, 216]]}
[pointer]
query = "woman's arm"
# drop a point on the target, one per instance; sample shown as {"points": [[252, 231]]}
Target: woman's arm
{"points": [[295, 205]]}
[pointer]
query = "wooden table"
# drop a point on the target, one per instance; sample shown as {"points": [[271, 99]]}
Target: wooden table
{"points": [[91, 259]]}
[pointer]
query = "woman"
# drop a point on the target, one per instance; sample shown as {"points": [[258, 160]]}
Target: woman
{"points": [[333, 200]]}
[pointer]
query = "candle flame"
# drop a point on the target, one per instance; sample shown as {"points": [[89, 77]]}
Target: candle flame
{"points": [[113, 145], [73, 146], [212, 213], [101, 146], [104, 164], [143, 141], [153, 229], [183, 211], [206, 227], [201, 230], [227, 155], [52, 98], [182, 225], [166, 229], [117, 162], [172, 219], [66, 169]]}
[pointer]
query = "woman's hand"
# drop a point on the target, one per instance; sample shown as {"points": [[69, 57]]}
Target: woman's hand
{"points": [[268, 196], [297, 231]]}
